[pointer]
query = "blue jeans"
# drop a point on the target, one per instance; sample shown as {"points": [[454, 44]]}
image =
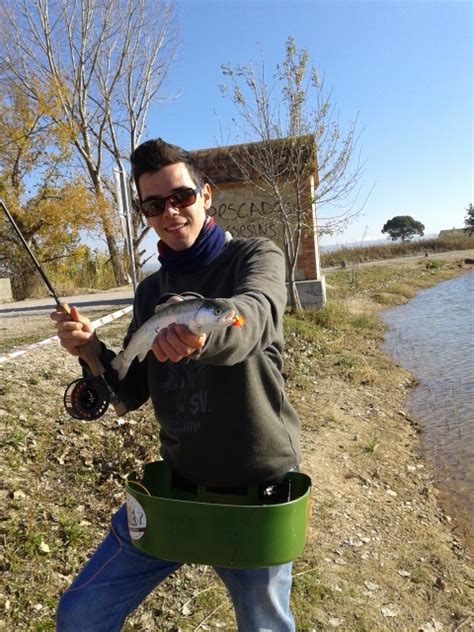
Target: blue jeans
{"points": [[118, 577]]}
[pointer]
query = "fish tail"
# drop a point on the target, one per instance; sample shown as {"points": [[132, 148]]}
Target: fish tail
{"points": [[120, 364]]}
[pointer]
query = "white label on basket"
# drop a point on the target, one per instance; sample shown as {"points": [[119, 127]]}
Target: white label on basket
{"points": [[136, 518]]}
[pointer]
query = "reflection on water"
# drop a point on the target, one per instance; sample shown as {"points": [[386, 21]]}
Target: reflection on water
{"points": [[433, 336]]}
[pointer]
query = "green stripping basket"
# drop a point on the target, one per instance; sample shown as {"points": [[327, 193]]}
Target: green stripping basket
{"points": [[212, 528]]}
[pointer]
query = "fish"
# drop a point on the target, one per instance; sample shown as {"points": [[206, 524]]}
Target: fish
{"points": [[200, 315]]}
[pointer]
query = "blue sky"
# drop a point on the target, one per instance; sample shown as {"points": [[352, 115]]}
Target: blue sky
{"points": [[404, 69]]}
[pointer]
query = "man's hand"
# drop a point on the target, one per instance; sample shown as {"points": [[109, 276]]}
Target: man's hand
{"points": [[176, 342], [74, 331]]}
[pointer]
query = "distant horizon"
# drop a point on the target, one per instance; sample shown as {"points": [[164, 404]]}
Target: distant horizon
{"points": [[374, 242]]}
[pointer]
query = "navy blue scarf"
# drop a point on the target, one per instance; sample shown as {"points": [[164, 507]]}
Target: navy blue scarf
{"points": [[208, 245]]}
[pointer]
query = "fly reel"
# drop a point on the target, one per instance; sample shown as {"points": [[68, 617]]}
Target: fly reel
{"points": [[87, 398]]}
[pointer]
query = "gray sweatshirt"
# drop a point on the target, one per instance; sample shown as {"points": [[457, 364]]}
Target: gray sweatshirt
{"points": [[223, 414]]}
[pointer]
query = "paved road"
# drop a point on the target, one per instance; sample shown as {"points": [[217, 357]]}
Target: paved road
{"points": [[115, 298]]}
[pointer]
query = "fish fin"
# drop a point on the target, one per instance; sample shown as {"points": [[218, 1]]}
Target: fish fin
{"points": [[120, 365], [123, 372], [194, 326], [142, 355], [167, 299], [117, 361], [160, 307]]}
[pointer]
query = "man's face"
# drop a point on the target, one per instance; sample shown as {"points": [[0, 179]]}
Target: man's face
{"points": [[178, 228]]}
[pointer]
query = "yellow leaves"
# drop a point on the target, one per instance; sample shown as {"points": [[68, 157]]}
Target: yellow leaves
{"points": [[72, 206], [109, 217], [51, 223], [53, 99], [17, 118], [24, 138], [50, 96]]}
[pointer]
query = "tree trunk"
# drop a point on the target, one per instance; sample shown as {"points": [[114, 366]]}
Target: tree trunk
{"points": [[107, 224], [115, 258], [294, 298], [114, 252]]}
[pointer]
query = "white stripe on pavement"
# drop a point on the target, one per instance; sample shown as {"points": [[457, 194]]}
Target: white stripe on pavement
{"points": [[96, 324]]}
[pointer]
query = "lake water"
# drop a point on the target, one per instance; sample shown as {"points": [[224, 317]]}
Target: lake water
{"points": [[433, 337]]}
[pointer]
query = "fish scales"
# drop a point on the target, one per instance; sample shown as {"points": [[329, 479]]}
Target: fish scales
{"points": [[199, 315]]}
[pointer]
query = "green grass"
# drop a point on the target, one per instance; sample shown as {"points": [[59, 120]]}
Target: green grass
{"points": [[400, 282], [372, 445]]}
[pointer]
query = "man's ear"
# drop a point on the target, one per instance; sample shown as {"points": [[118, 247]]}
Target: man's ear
{"points": [[207, 196]]}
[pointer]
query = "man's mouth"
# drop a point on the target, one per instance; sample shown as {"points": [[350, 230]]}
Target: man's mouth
{"points": [[176, 227]]}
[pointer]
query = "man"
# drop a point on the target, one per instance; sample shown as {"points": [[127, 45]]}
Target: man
{"points": [[219, 398]]}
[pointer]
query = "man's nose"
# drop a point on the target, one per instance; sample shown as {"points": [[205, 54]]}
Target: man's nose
{"points": [[170, 209]]}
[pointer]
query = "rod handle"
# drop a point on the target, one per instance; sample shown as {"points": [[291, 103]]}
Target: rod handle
{"points": [[86, 352]]}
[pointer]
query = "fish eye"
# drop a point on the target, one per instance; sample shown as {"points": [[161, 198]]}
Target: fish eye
{"points": [[218, 310]]}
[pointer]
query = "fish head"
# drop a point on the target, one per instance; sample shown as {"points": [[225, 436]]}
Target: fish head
{"points": [[213, 314]]}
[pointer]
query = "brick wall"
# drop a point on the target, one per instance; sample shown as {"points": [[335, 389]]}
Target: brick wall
{"points": [[245, 211]]}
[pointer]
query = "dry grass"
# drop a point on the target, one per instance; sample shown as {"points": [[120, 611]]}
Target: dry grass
{"points": [[392, 250]]}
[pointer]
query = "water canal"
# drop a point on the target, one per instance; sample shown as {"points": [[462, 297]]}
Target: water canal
{"points": [[433, 337]]}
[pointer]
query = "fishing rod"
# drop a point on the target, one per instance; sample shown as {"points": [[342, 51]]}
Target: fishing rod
{"points": [[85, 398]]}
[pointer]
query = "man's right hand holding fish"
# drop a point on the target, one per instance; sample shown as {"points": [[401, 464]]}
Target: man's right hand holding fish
{"points": [[176, 342]]}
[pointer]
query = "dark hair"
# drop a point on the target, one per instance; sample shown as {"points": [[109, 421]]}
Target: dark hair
{"points": [[155, 154]]}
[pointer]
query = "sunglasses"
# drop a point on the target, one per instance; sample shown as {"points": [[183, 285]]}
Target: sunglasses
{"points": [[178, 199]]}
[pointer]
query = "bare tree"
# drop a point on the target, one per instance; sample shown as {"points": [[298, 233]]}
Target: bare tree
{"points": [[100, 64], [301, 157]]}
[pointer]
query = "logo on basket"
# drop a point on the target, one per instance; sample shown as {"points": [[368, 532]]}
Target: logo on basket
{"points": [[136, 518]]}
